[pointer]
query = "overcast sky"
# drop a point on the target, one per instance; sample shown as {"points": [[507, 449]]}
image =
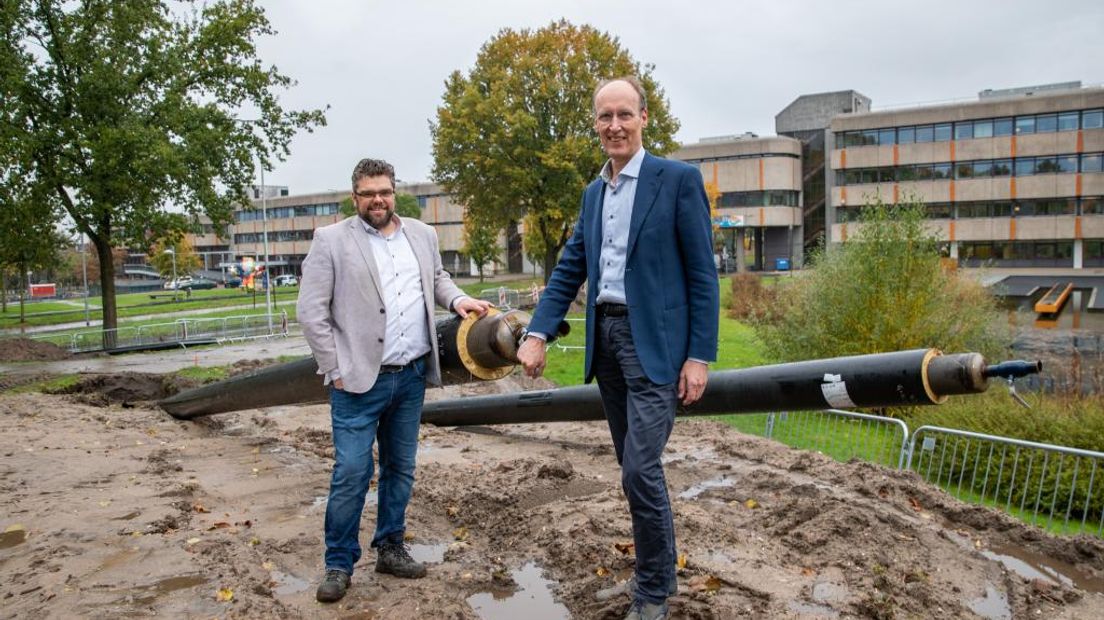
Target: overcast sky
{"points": [[727, 67]]}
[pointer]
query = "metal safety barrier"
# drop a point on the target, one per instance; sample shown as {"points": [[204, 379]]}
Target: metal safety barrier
{"points": [[1056, 487], [181, 331], [844, 435]]}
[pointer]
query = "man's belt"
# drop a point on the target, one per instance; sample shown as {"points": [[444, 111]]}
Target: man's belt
{"points": [[608, 309]]}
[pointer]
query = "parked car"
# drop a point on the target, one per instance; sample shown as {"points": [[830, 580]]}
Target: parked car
{"points": [[232, 282], [286, 279], [197, 283], [177, 283]]}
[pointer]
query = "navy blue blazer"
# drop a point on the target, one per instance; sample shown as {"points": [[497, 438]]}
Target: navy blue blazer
{"points": [[671, 283]]}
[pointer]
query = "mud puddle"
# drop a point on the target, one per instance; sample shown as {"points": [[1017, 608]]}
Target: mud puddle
{"points": [[532, 598]]}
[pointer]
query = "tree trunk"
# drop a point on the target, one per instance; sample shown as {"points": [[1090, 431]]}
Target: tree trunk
{"points": [[107, 290], [22, 298], [551, 257], [3, 290]]}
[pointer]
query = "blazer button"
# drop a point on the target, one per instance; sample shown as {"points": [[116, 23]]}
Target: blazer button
{"points": [[380, 339], [381, 310]]}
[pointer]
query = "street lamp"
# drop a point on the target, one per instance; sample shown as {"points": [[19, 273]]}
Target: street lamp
{"points": [[175, 284], [264, 231]]}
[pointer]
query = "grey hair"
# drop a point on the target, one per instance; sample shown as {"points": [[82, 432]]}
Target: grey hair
{"points": [[628, 79], [373, 168]]}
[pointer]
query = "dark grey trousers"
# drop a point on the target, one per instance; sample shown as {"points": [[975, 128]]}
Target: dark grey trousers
{"points": [[641, 415]]}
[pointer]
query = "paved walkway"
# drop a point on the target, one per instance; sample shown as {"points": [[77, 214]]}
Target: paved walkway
{"points": [[166, 361]]}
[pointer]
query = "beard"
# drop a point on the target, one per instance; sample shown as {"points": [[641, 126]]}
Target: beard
{"points": [[378, 219]]}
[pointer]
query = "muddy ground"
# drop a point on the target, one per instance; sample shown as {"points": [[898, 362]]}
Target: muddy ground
{"points": [[112, 508]]}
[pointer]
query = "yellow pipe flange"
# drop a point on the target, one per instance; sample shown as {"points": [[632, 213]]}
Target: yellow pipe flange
{"points": [[481, 372]]}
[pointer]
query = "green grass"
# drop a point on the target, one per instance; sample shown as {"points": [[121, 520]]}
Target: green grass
{"points": [[52, 384], [140, 304]]}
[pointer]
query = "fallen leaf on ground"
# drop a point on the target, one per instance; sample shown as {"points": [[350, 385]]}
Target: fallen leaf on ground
{"points": [[915, 503], [705, 583], [601, 571], [460, 533], [625, 547], [224, 595], [408, 536], [751, 504], [200, 508], [253, 542], [192, 541], [268, 565], [452, 511], [680, 563]]}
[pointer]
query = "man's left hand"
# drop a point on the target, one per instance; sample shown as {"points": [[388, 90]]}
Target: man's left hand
{"points": [[692, 381], [464, 305]]}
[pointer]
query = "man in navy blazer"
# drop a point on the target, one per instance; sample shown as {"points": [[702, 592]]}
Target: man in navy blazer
{"points": [[644, 244]]}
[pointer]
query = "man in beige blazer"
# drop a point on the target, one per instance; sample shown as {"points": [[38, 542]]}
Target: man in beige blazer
{"points": [[366, 308]]}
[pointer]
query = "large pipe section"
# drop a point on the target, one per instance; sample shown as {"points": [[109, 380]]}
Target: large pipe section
{"points": [[903, 378], [474, 348]]}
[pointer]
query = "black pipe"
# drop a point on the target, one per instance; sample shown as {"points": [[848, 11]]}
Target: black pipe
{"points": [[903, 378]]}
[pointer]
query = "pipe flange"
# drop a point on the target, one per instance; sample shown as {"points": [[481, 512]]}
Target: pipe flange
{"points": [[477, 370]]}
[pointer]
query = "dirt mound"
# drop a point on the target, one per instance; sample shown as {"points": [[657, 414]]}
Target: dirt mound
{"points": [[126, 389], [129, 512], [27, 350]]}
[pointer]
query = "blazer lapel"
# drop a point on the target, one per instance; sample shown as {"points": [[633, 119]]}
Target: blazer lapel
{"points": [[360, 239], [647, 189]]}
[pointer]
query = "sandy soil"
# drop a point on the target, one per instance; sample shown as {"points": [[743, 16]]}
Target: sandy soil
{"points": [[112, 508]]}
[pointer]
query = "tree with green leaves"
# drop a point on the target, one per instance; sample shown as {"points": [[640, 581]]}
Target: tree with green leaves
{"points": [[480, 243], [30, 240], [884, 289], [514, 138], [182, 252], [117, 110]]}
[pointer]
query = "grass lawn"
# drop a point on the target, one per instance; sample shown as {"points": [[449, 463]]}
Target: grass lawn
{"points": [[141, 304]]}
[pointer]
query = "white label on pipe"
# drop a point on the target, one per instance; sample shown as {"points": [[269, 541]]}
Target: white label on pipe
{"points": [[835, 393], [832, 378]]}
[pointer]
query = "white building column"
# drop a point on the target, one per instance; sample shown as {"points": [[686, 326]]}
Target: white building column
{"points": [[1078, 253]]}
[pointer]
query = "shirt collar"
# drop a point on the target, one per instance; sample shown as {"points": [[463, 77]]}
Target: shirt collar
{"points": [[372, 231], [631, 169]]}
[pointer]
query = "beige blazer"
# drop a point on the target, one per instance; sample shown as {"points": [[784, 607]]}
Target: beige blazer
{"points": [[341, 300]]}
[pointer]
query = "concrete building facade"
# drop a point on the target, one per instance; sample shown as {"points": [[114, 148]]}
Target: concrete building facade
{"points": [[756, 183], [1011, 180]]}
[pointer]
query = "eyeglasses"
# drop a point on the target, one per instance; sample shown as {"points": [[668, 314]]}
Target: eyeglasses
{"points": [[369, 194], [605, 119]]}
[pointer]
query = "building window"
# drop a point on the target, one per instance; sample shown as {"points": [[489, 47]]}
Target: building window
{"points": [[1046, 123], [906, 135], [1092, 119], [943, 132], [963, 131], [925, 133], [1067, 121], [964, 170], [1025, 125], [1091, 163], [983, 129], [1002, 127]]}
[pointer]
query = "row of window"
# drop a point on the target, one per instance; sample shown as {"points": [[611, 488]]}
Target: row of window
{"points": [[982, 168], [274, 236], [769, 198], [1090, 205], [708, 160], [971, 251], [276, 213], [968, 130]]}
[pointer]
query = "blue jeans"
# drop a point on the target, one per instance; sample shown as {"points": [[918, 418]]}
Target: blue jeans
{"points": [[391, 411], [641, 415]]}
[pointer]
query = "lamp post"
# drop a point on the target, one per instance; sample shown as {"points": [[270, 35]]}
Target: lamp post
{"points": [[264, 231], [264, 237], [175, 284]]}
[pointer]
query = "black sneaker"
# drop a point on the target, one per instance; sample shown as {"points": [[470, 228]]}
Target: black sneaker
{"points": [[333, 586], [394, 559]]}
